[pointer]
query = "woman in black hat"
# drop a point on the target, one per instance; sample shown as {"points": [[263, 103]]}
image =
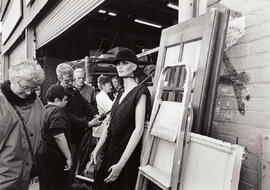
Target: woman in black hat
{"points": [[121, 141]]}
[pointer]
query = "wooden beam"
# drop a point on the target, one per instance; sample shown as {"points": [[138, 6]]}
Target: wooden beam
{"points": [[29, 43], [186, 10], [4, 67], [214, 78], [148, 52]]}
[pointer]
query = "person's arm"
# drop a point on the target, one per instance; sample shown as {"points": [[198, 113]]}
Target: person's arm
{"points": [[61, 142], [133, 141], [89, 110], [94, 122], [57, 127], [93, 156], [101, 141], [82, 122]]}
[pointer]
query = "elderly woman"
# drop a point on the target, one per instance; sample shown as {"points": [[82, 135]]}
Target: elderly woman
{"points": [[121, 141], [18, 94]]}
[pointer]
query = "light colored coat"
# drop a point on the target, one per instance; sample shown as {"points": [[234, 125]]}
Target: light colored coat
{"points": [[15, 157], [104, 104]]}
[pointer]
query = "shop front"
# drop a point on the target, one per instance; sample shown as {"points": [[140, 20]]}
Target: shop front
{"points": [[71, 31]]}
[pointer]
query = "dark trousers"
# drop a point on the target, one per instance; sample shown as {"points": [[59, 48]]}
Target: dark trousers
{"points": [[80, 153], [74, 156], [52, 175]]}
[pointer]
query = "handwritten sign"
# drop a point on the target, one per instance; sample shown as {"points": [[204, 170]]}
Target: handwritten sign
{"points": [[167, 121]]}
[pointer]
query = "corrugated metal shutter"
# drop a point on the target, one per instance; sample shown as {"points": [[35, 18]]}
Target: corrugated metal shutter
{"points": [[61, 17], [18, 53]]}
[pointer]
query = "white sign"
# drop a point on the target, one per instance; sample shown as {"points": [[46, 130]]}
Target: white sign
{"points": [[11, 19], [168, 121], [236, 29]]}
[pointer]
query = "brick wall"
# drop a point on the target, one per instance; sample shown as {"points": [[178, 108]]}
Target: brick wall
{"points": [[251, 55]]}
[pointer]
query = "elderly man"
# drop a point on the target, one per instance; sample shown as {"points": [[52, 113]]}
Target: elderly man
{"points": [[21, 119], [88, 92], [82, 116]]}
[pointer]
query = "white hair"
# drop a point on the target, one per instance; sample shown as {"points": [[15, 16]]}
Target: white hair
{"points": [[28, 70], [79, 70], [64, 69]]}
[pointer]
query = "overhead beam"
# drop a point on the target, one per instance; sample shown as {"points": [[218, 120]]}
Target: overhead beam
{"points": [[186, 10], [148, 52]]}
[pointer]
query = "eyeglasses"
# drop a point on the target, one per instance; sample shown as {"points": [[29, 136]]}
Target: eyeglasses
{"points": [[27, 88], [67, 81]]}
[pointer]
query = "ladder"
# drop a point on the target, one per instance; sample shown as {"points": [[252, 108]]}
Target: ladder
{"points": [[169, 128]]}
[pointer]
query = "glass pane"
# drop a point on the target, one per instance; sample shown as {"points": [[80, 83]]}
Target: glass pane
{"points": [[179, 97], [181, 77], [191, 53], [165, 95], [172, 54]]}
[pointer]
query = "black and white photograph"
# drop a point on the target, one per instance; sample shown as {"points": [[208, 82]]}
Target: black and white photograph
{"points": [[135, 95]]}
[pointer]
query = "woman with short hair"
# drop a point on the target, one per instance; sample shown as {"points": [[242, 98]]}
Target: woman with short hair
{"points": [[18, 94], [104, 103]]}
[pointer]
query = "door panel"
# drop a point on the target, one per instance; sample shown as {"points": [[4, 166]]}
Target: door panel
{"points": [[192, 42]]}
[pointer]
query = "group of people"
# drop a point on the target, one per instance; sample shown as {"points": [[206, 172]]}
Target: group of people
{"points": [[76, 131]]}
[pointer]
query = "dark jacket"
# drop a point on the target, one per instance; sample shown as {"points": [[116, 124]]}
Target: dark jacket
{"points": [[89, 93], [56, 122], [80, 113]]}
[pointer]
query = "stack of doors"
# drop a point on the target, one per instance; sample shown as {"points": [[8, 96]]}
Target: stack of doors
{"points": [[198, 43]]}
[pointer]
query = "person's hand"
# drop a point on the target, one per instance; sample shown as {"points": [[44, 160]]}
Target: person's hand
{"points": [[94, 122], [101, 117], [90, 165], [68, 165], [114, 172]]}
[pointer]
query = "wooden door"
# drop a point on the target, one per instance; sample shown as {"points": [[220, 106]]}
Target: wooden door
{"points": [[199, 43], [192, 42]]}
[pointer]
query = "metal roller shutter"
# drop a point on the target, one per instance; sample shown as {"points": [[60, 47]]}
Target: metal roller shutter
{"points": [[18, 53], [61, 17]]}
